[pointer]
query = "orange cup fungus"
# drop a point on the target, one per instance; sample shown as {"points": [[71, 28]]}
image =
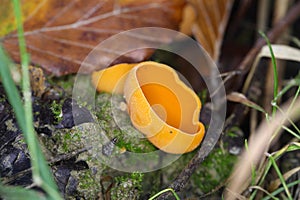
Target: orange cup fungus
{"points": [[111, 79], [160, 105]]}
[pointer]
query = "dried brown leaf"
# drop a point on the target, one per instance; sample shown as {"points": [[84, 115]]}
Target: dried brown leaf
{"points": [[210, 23], [61, 33], [241, 98]]}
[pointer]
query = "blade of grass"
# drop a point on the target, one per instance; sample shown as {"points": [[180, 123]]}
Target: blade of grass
{"points": [[294, 82], [262, 179], [275, 74], [164, 191], [276, 155], [282, 52], [265, 191], [292, 103], [44, 178], [294, 146], [26, 93], [294, 99], [280, 177], [12, 92], [287, 175], [291, 132], [40, 170], [17, 193]]}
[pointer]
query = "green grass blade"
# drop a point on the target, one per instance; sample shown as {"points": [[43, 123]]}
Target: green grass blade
{"points": [[275, 72], [294, 99], [281, 177], [15, 100], [29, 130], [11, 89], [40, 170], [17, 193], [291, 83], [291, 132], [164, 191]]}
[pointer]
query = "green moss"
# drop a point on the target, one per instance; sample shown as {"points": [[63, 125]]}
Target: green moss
{"points": [[88, 184], [128, 186], [67, 142], [214, 170], [116, 123], [56, 109], [65, 82], [87, 181], [72, 141], [155, 181], [212, 173]]}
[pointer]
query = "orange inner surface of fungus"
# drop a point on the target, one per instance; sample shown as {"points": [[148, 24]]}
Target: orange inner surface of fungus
{"points": [[157, 94]]}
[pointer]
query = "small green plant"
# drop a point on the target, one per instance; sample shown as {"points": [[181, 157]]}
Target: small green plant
{"points": [[215, 170], [56, 109]]}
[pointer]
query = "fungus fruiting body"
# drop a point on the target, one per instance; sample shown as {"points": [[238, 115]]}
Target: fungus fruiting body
{"points": [[111, 79], [160, 105]]}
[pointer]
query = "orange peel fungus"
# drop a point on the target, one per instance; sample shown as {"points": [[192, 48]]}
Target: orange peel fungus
{"points": [[111, 79], [160, 105]]}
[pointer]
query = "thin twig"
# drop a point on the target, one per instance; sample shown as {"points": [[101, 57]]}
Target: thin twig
{"points": [[69, 155]]}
